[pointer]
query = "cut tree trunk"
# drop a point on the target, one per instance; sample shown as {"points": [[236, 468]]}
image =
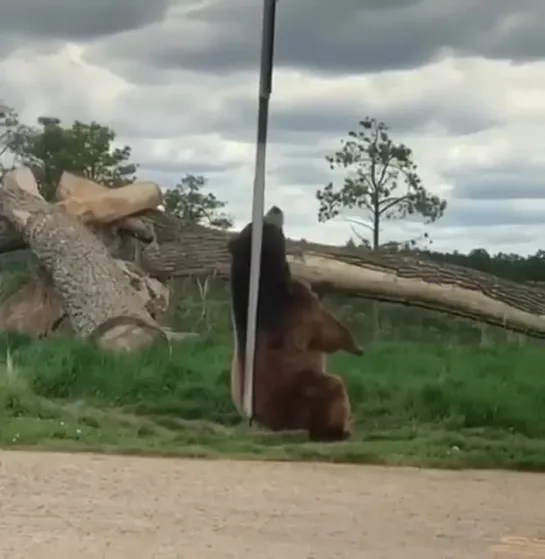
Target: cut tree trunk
{"points": [[96, 294], [95, 204]]}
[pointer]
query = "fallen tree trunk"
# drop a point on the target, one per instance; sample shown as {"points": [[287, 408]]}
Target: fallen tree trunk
{"points": [[383, 276], [95, 292], [455, 291], [185, 249]]}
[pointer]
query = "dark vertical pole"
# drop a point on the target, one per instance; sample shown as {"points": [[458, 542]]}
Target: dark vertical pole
{"points": [[258, 205]]}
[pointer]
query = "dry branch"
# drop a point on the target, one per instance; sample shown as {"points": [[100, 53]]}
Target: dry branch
{"points": [[96, 294]]}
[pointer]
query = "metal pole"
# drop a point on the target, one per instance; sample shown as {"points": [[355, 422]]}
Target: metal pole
{"points": [[258, 205]]}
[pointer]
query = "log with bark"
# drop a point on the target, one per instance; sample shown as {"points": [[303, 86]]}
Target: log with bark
{"points": [[184, 249], [99, 205], [96, 293]]}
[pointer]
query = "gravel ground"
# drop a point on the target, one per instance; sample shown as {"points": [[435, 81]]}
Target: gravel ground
{"points": [[79, 506]]}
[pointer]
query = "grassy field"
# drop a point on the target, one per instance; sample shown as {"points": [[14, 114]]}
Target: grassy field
{"points": [[414, 403], [429, 391]]}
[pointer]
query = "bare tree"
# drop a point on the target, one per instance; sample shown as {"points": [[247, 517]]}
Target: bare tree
{"points": [[383, 183]]}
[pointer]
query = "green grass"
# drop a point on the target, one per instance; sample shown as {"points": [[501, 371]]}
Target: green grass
{"points": [[413, 404]]}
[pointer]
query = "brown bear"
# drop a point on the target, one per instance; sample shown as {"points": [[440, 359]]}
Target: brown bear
{"points": [[292, 389]]}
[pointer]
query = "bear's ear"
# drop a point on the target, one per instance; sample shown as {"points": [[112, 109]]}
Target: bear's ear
{"points": [[330, 335]]}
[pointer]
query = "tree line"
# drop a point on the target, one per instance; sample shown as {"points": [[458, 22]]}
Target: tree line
{"points": [[381, 184], [88, 149]]}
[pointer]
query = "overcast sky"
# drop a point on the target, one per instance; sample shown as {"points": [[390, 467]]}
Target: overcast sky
{"points": [[462, 82]]}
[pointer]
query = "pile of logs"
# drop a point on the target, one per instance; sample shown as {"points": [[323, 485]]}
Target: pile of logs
{"points": [[105, 256], [104, 298]]}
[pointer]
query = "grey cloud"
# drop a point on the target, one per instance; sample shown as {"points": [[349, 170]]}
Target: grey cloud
{"points": [[172, 166], [304, 173], [487, 213], [77, 20], [295, 123], [341, 37], [188, 165], [518, 181], [329, 117], [9, 43], [170, 175], [516, 236], [180, 109], [521, 37]]}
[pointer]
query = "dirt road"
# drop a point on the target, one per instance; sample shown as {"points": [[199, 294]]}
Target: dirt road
{"points": [[83, 506]]}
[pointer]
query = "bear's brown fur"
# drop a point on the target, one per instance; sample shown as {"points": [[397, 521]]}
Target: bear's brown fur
{"points": [[292, 389]]}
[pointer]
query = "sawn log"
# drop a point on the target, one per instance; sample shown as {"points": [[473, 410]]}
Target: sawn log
{"points": [[95, 204], [96, 294]]}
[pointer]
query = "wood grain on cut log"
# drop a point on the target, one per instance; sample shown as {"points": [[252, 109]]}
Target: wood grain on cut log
{"points": [[96, 294], [97, 204]]}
